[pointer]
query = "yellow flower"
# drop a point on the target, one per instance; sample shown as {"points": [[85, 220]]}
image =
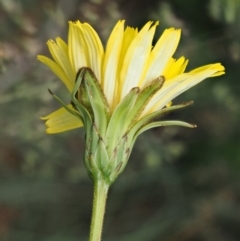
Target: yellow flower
{"points": [[128, 61]]}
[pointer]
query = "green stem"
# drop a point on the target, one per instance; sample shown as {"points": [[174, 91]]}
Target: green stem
{"points": [[99, 203]]}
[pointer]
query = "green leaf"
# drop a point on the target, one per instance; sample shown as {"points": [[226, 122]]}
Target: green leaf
{"points": [[80, 107], [93, 169], [146, 119], [101, 157], [147, 123], [166, 110], [165, 123], [118, 123], [88, 124], [144, 97], [101, 153], [117, 157], [65, 106], [97, 100], [123, 153]]}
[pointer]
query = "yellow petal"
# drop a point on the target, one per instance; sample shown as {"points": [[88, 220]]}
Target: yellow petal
{"points": [[111, 58], [57, 70], [61, 120], [173, 88], [128, 36], [156, 101], [161, 54], [177, 67], [129, 61], [77, 48], [136, 58], [59, 53], [218, 67], [95, 50]]}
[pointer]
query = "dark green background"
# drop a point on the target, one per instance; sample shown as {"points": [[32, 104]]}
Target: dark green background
{"points": [[180, 184]]}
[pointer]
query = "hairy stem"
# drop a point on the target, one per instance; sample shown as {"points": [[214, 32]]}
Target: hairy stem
{"points": [[99, 204]]}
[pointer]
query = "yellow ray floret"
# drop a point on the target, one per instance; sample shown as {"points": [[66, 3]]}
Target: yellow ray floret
{"points": [[61, 120], [128, 61]]}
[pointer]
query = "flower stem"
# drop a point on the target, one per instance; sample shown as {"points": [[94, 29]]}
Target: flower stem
{"points": [[99, 203]]}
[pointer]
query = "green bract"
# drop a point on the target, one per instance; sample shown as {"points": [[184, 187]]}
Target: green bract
{"points": [[110, 136]]}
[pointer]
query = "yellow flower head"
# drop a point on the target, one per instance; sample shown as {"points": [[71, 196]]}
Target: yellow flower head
{"points": [[128, 61], [118, 93]]}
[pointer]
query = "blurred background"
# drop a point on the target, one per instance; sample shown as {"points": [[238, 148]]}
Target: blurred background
{"points": [[180, 184]]}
